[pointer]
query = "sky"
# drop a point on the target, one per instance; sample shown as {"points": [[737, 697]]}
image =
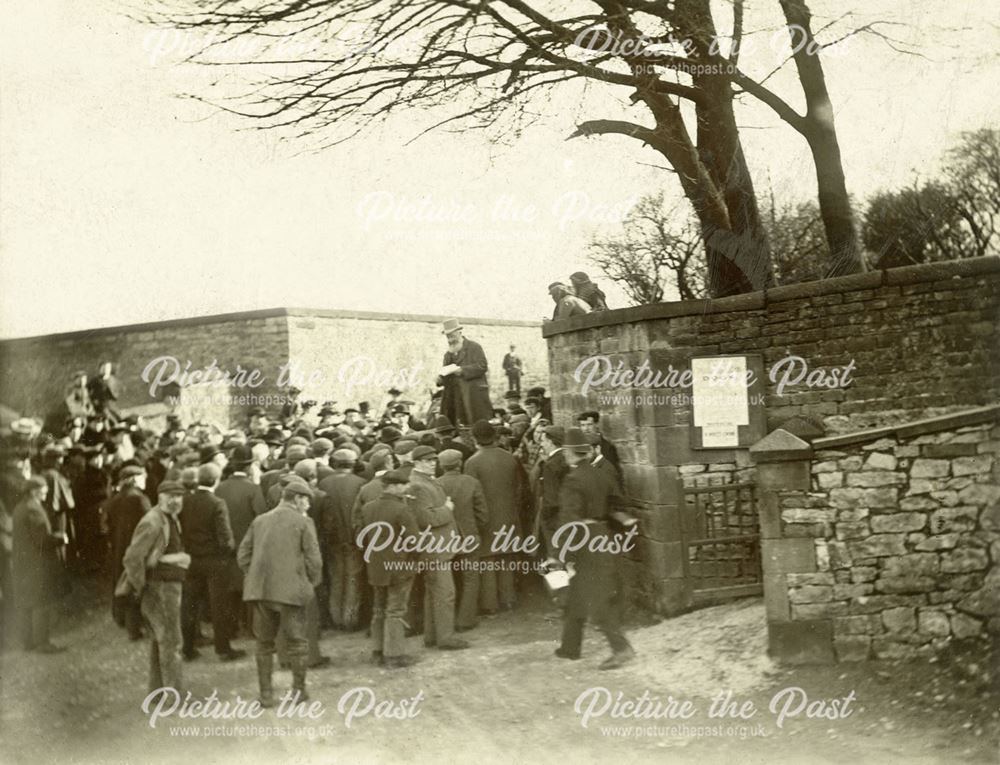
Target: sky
{"points": [[121, 202]]}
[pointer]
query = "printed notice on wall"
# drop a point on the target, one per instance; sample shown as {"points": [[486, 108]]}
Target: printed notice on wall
{"points": [[720, 399]]}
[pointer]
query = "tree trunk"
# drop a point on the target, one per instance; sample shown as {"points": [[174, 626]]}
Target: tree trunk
{"points": [[821, 133]]}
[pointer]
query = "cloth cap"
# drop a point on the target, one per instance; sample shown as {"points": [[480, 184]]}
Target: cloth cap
{"points": [[170, 487], [322, 446], [423, 452], [130, 471], [450, 458], [405, 447]]}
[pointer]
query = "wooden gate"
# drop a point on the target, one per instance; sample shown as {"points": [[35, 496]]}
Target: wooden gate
{"points": [[721, 542]]}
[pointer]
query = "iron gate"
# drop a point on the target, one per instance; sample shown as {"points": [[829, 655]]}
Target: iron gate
{"points": [[721, 542]]}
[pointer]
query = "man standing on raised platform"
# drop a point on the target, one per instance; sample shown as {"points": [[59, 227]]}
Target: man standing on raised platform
{"points": [[463, 375]]}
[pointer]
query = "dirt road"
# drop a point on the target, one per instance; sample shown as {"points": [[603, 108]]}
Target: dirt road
{"points": [[508, 699]]}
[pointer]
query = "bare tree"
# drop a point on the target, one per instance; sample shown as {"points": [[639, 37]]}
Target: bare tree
{"points": [[659, 253], [489, 63], [954, 217]]}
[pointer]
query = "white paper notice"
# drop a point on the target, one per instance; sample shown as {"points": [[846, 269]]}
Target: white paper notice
{"points": [[720, 398]]}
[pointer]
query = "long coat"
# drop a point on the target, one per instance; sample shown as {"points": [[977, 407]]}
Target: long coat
{"points": [[396, 511], [280, 558], [36, 564], [589, 494], [125, 509], [466, 396], [342, 489], [504, 484], [244, 500], [428, 502], [471, 514], [205, 525]]}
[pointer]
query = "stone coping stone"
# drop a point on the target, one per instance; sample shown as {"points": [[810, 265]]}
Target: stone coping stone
{"points": [[925, 272], [912, 429]]}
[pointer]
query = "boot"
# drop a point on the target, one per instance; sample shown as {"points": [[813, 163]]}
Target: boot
{"points": [[299, 677], [265, 666]]}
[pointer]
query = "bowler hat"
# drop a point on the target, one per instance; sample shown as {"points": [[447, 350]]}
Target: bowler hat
{"points": [[556, 434], [274, 437], [442, 424], [483, 432], [538, 391], [450, 325], [389, 435], [579, 278], [512, 395], [242, 456], [208, 452], [394, 392], [576, 441]]}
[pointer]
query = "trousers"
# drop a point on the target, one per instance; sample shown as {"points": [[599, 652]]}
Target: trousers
{"points": [[161, 608], [388, 617], [346, 573], [271, 619], [439, 604]]}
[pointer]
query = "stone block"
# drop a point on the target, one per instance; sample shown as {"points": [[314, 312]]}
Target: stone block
{"points": [[776, 598], [933, 623], [928, 468], [985, 601], [888, 648], [876, 478], [873, 604], [964, 559], [656, 484], [982, 463], [947, 451], [808, 515], [850, 648], [788, 556], [922, 502], [768, 507], [802, 642], [848, 591], [880, 461], [810, 594], [887, 524], [902, 585], [964, 626], [877, 546], [673, 596], [659, 522], [828, 466], [865, 624], [901, 620], [913, 564], [853, 530], [953, 519], [980, 494], [830, 480], [937, 542], [863, 573], [846, 498], [807, 611], [884, 497], [786, 476]]}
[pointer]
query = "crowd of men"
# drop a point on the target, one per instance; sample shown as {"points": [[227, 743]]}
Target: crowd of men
{"points": [[260, 530]]}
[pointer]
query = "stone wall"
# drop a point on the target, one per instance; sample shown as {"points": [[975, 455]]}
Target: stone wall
{"points": [[922, 341], [883, 543], [34, 372], [311, 345], [361, 356]]}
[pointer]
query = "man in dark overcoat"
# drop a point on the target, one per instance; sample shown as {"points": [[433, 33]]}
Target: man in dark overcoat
{"points": [[590, 496], [464, 377]]}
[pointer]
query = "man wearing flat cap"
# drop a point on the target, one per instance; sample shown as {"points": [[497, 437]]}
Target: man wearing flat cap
{"points": [[345, 566], [282, 565], [434, 511], [156, 565], [472, 521], [208, 539], [124, 511], [387, 573], [568, 305], [466, 396]]}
